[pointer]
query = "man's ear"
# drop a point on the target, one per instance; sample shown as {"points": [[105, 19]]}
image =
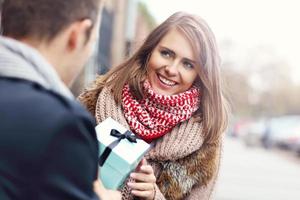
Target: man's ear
{"points": [[78, 33]]}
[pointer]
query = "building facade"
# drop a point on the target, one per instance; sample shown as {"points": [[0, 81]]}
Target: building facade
{"points": [[124, 25]]}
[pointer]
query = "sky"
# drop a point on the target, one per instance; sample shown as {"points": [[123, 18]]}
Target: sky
{"points": [[274, 24]]}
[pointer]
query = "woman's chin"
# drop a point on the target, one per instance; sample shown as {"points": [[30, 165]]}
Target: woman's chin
{"points": [[162, 91]]}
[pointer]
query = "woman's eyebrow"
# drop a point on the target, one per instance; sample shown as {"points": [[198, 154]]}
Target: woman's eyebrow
{"points": [[189, 60], [170, 50]]}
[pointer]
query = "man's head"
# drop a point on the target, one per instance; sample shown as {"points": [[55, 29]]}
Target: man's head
{"points": [[44, 19], [62, 30]]}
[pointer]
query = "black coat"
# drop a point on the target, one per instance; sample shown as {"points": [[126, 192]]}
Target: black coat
{"points": [[48, 145]]}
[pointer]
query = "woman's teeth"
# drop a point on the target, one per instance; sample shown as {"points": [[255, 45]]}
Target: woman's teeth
{"points": [[166, 81]]}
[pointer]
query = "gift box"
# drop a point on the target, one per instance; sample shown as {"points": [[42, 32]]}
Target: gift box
{"points": [[119, 152]]}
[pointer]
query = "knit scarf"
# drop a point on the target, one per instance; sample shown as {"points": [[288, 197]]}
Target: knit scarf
{"points": [[156, 114], [185, 166]]}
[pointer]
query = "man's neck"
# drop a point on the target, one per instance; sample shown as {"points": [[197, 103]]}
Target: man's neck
{"points": [[51, 53]]}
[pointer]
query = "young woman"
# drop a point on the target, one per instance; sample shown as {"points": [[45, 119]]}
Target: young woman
{"points": [[169, 94]]}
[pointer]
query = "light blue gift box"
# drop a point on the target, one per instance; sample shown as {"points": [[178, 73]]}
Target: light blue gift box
{"points": [[123, 158]]}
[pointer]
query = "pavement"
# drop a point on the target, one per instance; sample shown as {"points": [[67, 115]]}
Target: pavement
{"points": [[253, 173]]}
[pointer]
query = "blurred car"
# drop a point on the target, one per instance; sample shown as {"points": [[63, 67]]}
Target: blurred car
{"points": [[254, 133], [239, 128], [290, 140], [297, 148], [281, 131]]}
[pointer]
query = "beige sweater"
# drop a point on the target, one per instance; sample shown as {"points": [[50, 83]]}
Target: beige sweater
{"points": [[185, 167]]}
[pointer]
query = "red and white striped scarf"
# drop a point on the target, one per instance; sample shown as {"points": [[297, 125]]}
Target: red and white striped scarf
{"points": [[156, 114]]}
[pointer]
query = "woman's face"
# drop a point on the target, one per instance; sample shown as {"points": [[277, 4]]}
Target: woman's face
{"points": [[172, 65]]}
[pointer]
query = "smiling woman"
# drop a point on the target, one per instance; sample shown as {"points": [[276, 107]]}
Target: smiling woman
{"points": [[171, 67], [169, 94]]}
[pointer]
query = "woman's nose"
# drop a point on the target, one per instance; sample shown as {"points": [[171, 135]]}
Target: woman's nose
{"points": [[171, 69]]}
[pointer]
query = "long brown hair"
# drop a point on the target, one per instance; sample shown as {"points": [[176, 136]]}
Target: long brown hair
{"points": [[213, 110]]}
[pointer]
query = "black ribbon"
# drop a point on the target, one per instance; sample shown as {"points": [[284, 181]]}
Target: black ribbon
{"points": [[115, 133]]}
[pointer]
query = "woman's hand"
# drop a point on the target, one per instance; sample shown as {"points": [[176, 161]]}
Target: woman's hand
{"points": [[144, 185], [105, 194]]}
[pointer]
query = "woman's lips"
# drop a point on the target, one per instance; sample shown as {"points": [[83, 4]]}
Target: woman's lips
{"points": [[166, 81]]}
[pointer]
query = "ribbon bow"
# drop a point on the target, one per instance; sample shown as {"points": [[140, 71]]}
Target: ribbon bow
{"points": [[127, 135], [115, 133]]}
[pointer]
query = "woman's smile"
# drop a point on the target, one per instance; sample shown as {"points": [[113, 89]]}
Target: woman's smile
{"points": [[166, 81]]}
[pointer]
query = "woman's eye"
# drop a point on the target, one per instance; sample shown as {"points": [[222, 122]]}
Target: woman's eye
{"points": [[165, 53], [188, 65]]}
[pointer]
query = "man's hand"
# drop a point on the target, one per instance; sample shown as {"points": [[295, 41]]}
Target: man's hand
{"points": [[105, 194]]}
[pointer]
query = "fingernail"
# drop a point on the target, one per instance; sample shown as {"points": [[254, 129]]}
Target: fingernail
{"points": [[132, 191]]}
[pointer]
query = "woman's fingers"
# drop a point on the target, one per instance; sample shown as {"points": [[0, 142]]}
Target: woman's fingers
{"points": [[147, 169], [144, 194], [143, 190], [142, 177], [140, 186], [144, 161], [141, 163]]}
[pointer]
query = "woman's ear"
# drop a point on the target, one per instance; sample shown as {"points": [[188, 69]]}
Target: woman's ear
{"points": [[78, 34]]}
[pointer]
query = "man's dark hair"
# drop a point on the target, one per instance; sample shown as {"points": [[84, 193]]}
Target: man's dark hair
{"points": [[44, 19]]}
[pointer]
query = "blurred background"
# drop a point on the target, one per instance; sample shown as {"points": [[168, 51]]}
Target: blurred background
{"points": [[259, 41]]}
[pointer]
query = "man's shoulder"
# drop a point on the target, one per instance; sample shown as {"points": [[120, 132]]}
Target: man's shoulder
{"points": [[41, 131], [36, 115], [30, 102]]}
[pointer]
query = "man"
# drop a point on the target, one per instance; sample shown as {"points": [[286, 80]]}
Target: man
{"points": [[48, 145]]}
